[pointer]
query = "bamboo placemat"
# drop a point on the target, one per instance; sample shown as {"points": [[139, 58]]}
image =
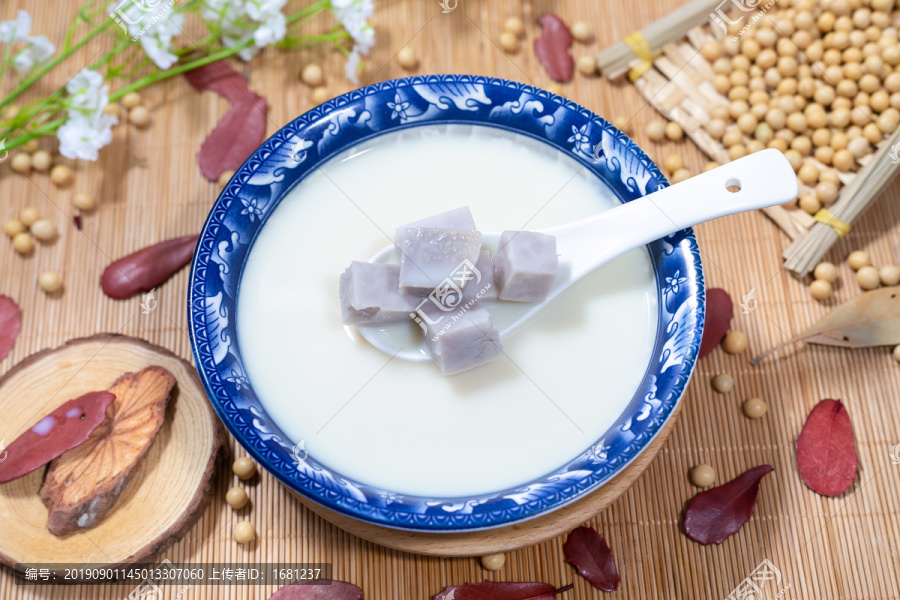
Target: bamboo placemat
{"points": [[150, 189]]}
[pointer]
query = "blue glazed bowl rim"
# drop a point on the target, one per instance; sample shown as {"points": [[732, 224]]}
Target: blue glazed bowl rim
{"points": [[390, 106]]}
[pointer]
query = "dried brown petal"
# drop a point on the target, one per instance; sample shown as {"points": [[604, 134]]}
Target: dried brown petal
{"points": [[719, 311], [719, 512], [10, 324], [320, 590], [591, 555], [501, 590], [826, 452], [552, 48], [240, 131], [145, 269]]}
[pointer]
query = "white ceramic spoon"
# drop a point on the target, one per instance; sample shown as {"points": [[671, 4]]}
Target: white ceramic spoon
{"points": [[762, 179]]}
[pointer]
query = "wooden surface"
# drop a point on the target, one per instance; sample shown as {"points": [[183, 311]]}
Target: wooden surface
{"points": [[150, 189], [164, 496]]}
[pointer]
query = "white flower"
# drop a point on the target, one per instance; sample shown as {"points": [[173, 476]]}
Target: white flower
{"points": [[154, 27], [216, 10], [246, 53], [37, 51], [353, 15], [88, 127], [82, 136], [271, 31], [243, 20], [87, 94], [365, 39], [18, 29], [157, 41], [261, 10], [352, 65]]}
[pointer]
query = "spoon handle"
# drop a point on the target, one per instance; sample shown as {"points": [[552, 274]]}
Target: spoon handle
{"points": [[762, 179]]}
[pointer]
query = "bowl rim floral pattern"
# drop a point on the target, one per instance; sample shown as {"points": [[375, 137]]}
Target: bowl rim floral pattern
{"points": [[297, 149]]}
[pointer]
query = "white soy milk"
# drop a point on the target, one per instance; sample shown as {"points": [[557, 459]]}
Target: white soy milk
{"points": [[566, 377]]}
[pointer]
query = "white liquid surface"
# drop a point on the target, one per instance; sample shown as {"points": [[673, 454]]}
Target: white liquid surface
{"points": [[566, 378]]}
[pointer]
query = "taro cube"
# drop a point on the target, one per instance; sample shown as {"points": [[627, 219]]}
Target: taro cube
{"points": [[370, 295], [437, 250], [483, 289], [458, 218], [525, 265], [459, 342]]}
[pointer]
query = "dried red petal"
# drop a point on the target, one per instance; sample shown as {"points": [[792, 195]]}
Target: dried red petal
{"points": [[220, 78], [145, 269], [240, 131], [320, 590], [588, 551], [552, 48], [68, 426], [234, 139], [10, 324], [717, 513], [719, 311], [77, 220], [501, 590], [826, 452]]}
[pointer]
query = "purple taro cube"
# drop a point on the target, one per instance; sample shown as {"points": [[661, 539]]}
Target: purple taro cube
{"points": [[458, 218], [439, 248], [485, 288], [370, 295], [525, 265], [459, 342]]}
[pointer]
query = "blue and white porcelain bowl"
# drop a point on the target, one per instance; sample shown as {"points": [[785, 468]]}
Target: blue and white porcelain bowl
{"points": [[244, 208]]}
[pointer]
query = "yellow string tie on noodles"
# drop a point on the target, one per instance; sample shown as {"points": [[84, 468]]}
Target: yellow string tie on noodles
{"points": [[641, 48], [824, 216]]}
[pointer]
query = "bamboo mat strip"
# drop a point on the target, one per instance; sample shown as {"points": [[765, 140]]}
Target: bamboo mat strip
{"points": [[150, 188]]}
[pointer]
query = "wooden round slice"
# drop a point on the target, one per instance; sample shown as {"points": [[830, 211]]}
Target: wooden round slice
{"points": [[512, 537], [165, 494]]}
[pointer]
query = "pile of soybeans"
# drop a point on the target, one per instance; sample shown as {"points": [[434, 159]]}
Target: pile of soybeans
{"points": [[818, 80]]}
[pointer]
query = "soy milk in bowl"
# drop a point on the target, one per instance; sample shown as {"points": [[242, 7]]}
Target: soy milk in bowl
{"points": [[579, 391]]}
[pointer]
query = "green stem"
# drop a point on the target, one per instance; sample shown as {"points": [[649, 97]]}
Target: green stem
{"points": [[34, 134], [45, 112], [28, 81], [311, 9], [196, 64], [177, 70], [6, 52]]}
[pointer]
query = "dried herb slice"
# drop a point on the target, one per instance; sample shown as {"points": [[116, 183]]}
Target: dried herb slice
{"points": [[719, 311], [719, 512], [83, 485], [63, 429], [552, 48], [10, 324], [826, 452], [145, 269], [588, 551], [501, 590], [320, 590]]}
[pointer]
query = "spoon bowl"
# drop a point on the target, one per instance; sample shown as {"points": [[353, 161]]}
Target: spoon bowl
{"points": [[756, 181]]}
